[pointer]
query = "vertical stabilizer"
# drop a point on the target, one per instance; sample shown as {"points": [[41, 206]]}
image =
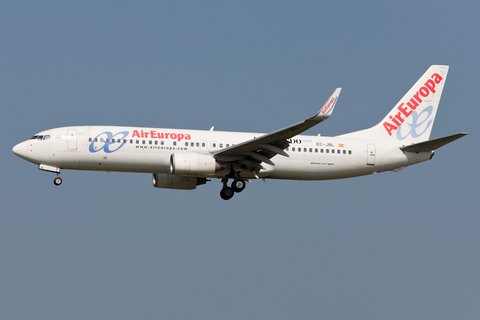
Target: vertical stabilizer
{"points": [[411, 120]]}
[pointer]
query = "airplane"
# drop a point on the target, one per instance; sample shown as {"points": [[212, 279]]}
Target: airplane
{"points": [[185, 159]]}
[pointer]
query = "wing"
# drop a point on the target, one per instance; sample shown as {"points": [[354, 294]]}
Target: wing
{"points": [[253, 152]]}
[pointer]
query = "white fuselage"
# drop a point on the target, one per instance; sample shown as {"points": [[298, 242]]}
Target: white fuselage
{"points": [[148, 150]]}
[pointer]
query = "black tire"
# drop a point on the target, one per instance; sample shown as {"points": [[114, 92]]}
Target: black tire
{"points": [[227, 193], [57, 181], [238, 185]]}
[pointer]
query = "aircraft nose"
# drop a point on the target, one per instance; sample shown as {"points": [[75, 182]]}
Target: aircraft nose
{"points": [[20, 150]]}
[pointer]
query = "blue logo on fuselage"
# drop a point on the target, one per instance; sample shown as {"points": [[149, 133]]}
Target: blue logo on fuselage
{"points": [[111, 142]]}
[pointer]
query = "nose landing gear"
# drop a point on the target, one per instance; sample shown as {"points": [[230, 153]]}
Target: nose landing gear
{"points": [[57, 181]]}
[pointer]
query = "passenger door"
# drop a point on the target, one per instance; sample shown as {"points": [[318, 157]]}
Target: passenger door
{"points": [[71, 139]]}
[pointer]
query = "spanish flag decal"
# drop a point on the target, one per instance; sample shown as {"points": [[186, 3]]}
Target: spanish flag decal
{"points": [[340, 145]]}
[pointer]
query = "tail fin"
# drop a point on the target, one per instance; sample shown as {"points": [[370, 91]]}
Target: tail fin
{"points": [[411, 120]]}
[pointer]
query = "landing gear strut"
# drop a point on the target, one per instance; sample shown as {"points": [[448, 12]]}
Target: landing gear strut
{"points": [[228, 192]]}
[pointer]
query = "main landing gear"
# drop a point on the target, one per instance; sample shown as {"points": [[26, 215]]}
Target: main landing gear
{"points": [[228, 192]]}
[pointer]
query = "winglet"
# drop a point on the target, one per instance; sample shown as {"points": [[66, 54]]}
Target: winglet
{"points": [[327, 108]]}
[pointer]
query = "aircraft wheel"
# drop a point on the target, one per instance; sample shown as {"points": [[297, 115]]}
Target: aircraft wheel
{"points": [[227, 193], [238, 185], [57, 181]]}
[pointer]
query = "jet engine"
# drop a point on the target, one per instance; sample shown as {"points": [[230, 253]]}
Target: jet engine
{"points": [[194, 164], [169, 181]]}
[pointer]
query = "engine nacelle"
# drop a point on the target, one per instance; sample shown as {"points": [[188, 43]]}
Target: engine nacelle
{"points": [[194, 164], [169, 181]]}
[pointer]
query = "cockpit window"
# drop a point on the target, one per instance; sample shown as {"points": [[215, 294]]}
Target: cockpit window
{"points": [[38, 137]]}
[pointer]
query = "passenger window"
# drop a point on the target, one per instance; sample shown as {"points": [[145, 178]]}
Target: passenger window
{"points": [[124, 140], [191, 144], [137, 141], [174, 143], [149, 141], [101, 139], [293, 148], [316, 150], [333, 150], [327, 150], [228, 145], [203, 144], [143, 141], [344, 151], [221, 145], [321, 150], [214, 145], [96, 139], [186, 144], [310, 150], [89, 139], [131, 141], [198, 144], [349, 151], [338, 151], [162, 142]]}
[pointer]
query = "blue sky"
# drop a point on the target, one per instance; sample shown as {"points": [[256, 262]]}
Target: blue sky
{"points": [[389, 246]]}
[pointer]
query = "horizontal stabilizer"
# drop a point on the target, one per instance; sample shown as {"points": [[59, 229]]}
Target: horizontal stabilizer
{"points": [[431, 145]]}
